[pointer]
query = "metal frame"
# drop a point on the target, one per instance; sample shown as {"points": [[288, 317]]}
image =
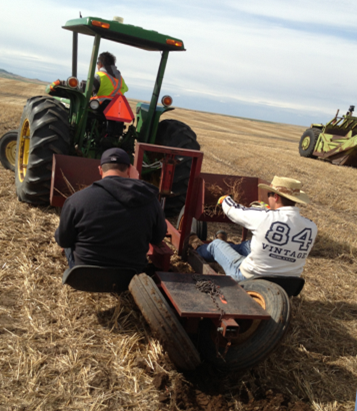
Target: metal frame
{"points": [[177, 237], [190, 303], [180, 289]]}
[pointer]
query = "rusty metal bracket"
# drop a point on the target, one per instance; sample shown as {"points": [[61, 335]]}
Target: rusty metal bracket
{"points": [[229, 328]]}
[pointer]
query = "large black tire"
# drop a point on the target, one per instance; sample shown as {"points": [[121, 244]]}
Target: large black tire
{"points": [[163, 322], [308, 141], [8, 149], [173, 133], [43, 131], [198, 227], [257, 338]]}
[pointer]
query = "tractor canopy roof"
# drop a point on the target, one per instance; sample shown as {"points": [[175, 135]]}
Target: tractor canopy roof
{"points": [[124, 33]]}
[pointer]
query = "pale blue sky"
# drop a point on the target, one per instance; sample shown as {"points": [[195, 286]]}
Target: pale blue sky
{"points": [[277, 60]]}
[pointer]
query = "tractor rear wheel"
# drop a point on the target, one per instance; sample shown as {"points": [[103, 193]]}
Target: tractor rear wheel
{"points": [[173, 133], [43, 131], [198, 227], [8, 149], [257, 338], [163, 322], [308, 141]]}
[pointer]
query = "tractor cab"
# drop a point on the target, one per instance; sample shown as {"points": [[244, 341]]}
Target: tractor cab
{"points": [[79, 95]]}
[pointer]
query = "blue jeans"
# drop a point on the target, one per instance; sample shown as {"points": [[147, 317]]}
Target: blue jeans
{"points": [[229, 256], [70, 257]]}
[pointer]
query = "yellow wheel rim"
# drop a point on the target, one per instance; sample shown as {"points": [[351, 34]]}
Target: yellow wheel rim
{"points": [[10, 152], [24, 150], [258, 298], [180, 225], [305, 143], [255, 323]]}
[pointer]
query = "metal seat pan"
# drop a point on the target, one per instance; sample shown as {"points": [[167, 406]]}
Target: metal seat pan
{"points": [[98, 279]]}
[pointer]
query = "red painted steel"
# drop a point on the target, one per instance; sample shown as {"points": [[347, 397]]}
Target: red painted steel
{"points": [[174, 235], [230, 328], [193, 185], [160, 255], [78, 171], [190, 302], [167, 175]]}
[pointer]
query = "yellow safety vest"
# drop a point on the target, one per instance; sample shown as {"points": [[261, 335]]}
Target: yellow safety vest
{"points": [[109, 87]]}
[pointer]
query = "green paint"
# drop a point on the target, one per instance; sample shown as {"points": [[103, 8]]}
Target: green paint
{"points": [[336, 141], [87, 128]]}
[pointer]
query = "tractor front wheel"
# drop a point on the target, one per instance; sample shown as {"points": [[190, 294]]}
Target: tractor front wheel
{"points": [[8, 149], [173, 133], [44, 131], [308, 141], [257, 338]]}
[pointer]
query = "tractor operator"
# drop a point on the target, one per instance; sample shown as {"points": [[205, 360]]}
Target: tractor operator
{"points": [[107, 83], [281, 237], [111, 222], [108, 80]]}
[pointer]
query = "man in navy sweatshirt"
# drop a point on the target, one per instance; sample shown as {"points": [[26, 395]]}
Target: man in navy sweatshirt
{"points": [[112, 222]]}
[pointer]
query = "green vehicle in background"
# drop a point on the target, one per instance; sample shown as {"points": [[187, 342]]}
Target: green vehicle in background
{"points": [[335, 142], [67, 121]]}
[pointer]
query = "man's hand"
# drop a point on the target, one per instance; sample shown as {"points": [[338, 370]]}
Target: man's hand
{"points": [[221, 199]]}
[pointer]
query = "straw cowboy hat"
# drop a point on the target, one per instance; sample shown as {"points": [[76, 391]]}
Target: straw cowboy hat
{"points": [[287, 187]]}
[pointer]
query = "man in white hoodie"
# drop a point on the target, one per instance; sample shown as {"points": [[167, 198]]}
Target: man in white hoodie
{"points": [[281, 238]]}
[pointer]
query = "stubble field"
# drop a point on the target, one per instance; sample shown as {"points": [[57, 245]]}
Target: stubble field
{"points": [[66, 350]]}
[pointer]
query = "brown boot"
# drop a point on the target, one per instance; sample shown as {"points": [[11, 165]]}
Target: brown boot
{"points": [[192, 241], [221, 235]]}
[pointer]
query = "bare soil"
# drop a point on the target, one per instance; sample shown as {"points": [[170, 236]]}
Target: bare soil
{"points": [[67, 350]]}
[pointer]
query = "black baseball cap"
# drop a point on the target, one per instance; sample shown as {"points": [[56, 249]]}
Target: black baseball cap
{"points": [[115, 155]]}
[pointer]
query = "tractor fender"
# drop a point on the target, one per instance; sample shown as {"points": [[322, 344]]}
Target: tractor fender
{"points": [[317, 125], [142, 112], [66, 95]]}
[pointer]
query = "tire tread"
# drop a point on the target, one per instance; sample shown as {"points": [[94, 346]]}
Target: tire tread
{"points": [[49, 134]]}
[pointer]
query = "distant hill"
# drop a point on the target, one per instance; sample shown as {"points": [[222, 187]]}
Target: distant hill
{"points": [[6, 74]]}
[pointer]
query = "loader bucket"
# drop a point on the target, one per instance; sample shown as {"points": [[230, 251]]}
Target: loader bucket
{"points": [[71, 174]]}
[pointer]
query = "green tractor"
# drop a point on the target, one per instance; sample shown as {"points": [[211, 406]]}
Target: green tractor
{"points": [[335, 142], [67, 121]]}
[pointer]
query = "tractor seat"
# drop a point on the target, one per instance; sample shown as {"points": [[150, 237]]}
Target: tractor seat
{"points": [[291, 285], [98, 279]]}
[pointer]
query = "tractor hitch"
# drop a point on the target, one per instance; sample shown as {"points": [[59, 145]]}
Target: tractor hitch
{"points": [[229, 328]]}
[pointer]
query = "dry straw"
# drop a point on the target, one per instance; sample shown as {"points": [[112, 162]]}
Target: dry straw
{"points": [[230, 187]]}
